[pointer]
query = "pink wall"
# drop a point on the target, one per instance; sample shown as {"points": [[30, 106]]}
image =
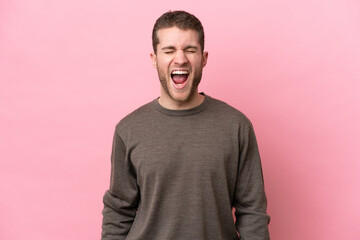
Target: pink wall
{"points": [[69, 70]]}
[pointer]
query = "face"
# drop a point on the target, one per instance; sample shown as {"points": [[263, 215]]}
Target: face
{"points": [[179, 62]]}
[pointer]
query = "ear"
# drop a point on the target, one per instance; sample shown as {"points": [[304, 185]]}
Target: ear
{"points": [[204, 58], [153, 59]]}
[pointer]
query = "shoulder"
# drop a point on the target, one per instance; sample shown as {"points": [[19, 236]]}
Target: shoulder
{"points": [[136, 117], [225, 111], [230, 117]]}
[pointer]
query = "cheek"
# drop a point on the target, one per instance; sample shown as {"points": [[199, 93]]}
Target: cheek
{"points": [[197, 65], [163, 64]]}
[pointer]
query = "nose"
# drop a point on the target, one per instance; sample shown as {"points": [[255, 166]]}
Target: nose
{"points": [[180, 58]]}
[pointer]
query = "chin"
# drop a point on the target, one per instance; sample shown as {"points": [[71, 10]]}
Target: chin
{"points": [[182, 98]]}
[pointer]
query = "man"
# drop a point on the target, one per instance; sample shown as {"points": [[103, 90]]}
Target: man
{"points": [[182, 162]]}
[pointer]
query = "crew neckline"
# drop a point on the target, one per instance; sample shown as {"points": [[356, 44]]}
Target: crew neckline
{"points": [[184, 112]]}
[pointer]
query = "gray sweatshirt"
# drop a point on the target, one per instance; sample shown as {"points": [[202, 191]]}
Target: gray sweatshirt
{"points": [[177, 175]]}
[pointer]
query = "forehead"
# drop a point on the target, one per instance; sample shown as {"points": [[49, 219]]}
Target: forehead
{"points": [[175, 36]]}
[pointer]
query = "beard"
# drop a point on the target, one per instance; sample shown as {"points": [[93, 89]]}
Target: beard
{"points": [[193, 88]]}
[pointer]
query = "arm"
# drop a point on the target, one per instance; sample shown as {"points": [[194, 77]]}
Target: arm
{"points": [[250, 200], [122, 199]]}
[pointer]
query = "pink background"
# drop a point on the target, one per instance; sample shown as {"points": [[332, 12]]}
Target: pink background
{"points": [[70, 70]]}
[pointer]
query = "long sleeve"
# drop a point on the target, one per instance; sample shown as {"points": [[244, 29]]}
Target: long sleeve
{"points": [[250, 200], [122, 199]]}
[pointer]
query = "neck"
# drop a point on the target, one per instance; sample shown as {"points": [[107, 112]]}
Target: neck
{"points": [[169, 103]]}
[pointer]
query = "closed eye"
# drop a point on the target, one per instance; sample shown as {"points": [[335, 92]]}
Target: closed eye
{"points": [[191, 49], [168, 49]]}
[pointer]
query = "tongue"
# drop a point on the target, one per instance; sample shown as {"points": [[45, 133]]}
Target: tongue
{"points": [[179, 78]]}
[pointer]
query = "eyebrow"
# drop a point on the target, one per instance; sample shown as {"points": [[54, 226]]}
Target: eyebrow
{"points": [[168, 48], [190, 46]]}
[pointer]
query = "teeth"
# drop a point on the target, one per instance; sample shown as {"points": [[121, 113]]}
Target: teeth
{"points": [[180, 72]]}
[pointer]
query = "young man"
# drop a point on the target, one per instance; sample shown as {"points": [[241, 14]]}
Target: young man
{"points": [[182, 162]]}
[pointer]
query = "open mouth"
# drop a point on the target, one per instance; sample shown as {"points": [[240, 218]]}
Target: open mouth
{"points": [[179, 78]]}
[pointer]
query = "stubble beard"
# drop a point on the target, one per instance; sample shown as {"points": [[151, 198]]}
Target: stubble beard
{"points": [[193, 89]]}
